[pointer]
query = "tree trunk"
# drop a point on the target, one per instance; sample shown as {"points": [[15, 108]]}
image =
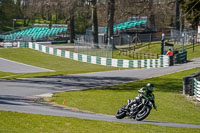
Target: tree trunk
{"points": [[111, 13], [177, 15], [56, 21], [95, 21], [24, 22], [72, 30], [151, 15]]}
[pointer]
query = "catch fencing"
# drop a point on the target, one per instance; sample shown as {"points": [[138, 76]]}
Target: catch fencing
{"points": [[93, 49], [123, 38]]}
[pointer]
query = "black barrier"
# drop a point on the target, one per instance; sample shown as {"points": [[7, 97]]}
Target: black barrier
{"points": [[181, 57], [188, 84]]}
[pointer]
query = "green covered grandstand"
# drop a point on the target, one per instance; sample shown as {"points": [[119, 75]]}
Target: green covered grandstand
{"points": [[36, 32], [127, 25]]}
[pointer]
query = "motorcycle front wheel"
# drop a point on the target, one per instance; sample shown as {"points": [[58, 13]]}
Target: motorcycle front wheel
{"points": [[141, 115], [121, 113]]}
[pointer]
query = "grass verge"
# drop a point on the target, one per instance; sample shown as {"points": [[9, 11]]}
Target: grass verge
{"points": [[172, 105], [12, 122], [6, 74], [62, 66]]}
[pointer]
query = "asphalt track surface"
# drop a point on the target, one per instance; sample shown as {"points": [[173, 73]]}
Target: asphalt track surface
{"points": [[18, 95], [16, 67]]}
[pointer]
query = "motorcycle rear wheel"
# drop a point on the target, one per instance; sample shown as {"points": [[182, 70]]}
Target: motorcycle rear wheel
{"points": [[141, 115], [120, 113]]}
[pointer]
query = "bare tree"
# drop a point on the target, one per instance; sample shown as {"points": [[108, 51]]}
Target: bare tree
{"points": [[111, 14], [95, 21], [28, 10], [69, 8]]}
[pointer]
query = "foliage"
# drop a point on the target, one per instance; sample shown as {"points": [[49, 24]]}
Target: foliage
{"points": [[192, 11], [7, 12]]}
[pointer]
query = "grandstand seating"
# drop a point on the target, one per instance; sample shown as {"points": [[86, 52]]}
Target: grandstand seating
{"points": [[127, 25], [36, 33]]}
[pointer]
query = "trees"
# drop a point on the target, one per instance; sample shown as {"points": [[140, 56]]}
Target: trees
{"points": [[28, 10], [177, 14], [7, 12], [191, 11], [68, 10]]}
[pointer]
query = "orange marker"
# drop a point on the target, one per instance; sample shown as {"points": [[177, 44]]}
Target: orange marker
{"points": [[63, 101]]}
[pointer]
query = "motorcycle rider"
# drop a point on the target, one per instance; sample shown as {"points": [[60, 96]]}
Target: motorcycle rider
{"points": [[145, 93]]}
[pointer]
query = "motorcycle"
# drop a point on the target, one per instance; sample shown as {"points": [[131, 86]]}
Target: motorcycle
{"points": [[136, 110]]}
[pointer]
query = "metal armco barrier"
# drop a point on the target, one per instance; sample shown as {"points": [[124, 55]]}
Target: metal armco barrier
{"points": [[197, 89], [147, 63], [23, 44]]}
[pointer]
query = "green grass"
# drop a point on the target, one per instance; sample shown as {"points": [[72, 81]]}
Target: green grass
{"points": [[12, 122], [172, 105], [193, 54], [62, 66], [155, 48], [9, 75], [4, 74]]}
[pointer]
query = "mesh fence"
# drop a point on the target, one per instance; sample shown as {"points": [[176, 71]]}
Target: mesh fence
{"points": [[102, 50], [188, 36]]}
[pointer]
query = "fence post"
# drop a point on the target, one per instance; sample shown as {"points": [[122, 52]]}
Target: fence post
{"points": [[193, 42], [149, 42]]}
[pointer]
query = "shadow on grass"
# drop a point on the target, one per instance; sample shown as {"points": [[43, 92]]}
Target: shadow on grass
{"points": [[161, 84], [65, 83]]}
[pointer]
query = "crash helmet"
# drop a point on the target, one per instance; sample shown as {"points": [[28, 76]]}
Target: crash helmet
{"points": [[150, 87]]}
